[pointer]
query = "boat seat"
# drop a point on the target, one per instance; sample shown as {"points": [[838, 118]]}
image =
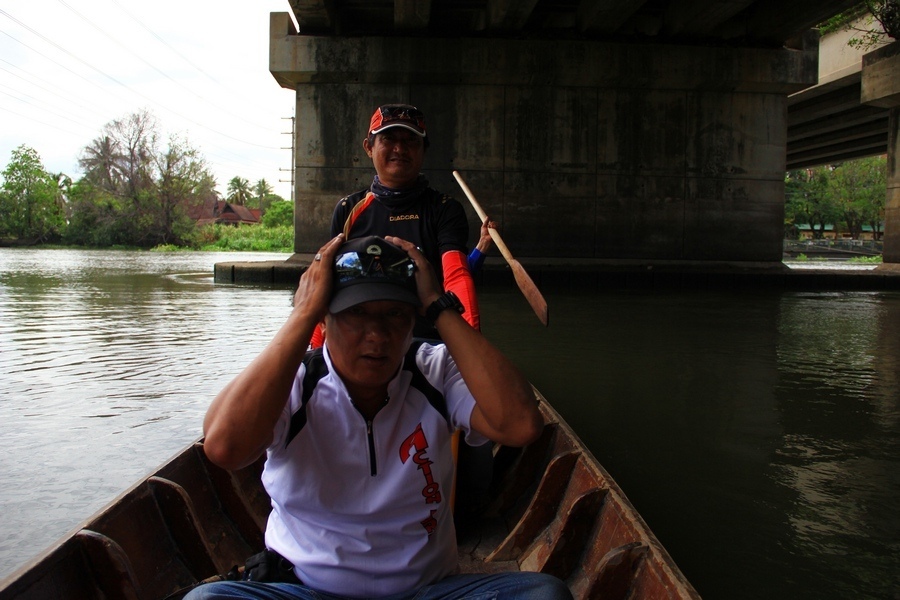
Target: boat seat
{"points": [[615, 575]]}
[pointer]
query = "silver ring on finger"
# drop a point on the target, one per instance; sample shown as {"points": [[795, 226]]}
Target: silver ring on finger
{"points": [[318, 257]]}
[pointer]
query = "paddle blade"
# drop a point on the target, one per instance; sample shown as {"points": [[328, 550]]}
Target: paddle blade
{"points": [[530, 291]]}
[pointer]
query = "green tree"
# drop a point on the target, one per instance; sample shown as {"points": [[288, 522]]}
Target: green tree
{"points": [[239, 190], [119, 173], [859, 188], [97, 217], [63, 185], [121, 160], [280, 214], [30, 203], [262, 192], [100, 161], [807, 200], [183, 181], [136, 192], [886, 13]]}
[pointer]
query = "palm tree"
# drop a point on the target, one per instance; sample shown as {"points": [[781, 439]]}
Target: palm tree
{"points": [[101, 160], [63, 187], [261, 190], [238, 190]]}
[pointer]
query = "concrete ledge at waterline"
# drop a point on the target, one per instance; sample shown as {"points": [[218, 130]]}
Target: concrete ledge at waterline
{"points": [[260, 272], [587, 274]]}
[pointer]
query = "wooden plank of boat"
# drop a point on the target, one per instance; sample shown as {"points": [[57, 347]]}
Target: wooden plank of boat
{"points": [[551, 508]]}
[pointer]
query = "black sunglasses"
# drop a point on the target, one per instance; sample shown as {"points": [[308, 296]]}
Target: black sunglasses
{"points": [[402, 112], [352, 265]]}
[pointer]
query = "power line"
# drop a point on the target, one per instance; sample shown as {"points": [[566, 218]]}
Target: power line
{"points": [[154, 67], [28, 100], [50, 91], [165, 43], [59, 82], [39, 53], [30, 118], [117, 82]]}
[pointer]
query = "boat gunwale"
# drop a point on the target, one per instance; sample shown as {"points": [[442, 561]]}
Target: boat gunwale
{"points": [[559, 439], [626, 509]]}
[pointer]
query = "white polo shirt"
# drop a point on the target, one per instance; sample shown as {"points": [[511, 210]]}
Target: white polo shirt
{"points": [[363, 509]]}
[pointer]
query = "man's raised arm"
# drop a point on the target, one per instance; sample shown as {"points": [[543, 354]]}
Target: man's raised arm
{"points": [[239, 423], [506, 410]]}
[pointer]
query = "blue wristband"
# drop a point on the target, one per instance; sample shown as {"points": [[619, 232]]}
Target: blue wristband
{"points": [[475, 260]]}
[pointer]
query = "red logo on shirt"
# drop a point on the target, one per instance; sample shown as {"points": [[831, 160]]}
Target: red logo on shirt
{"points": [[417, 441], [430, 524]]}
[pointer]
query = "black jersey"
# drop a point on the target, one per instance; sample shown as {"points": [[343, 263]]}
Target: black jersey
{"points": [[433, 221]]}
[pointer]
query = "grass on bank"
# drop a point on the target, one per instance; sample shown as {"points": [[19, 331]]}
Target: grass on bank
{"points": [[868, 260], [246, 238], [865, 260]]}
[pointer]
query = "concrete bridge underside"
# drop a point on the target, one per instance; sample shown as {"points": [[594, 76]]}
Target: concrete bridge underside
{"points": [[595, 129]]}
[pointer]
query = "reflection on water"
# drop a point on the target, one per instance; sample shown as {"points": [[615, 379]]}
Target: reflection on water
{"points": [[107, 363], [839, 356], [757, 433]]}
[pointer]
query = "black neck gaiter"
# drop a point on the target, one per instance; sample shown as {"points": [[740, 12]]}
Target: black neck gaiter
{"points": [[398, 199]]}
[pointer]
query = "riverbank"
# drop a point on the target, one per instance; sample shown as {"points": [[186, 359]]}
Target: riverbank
{"points": [[598, 274]]}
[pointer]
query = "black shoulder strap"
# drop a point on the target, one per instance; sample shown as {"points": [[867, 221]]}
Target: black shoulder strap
{"points": [[316, 369], [432, 394]]}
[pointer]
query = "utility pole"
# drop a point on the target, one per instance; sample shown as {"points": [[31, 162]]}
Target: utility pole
{"points": [[293, 162]]}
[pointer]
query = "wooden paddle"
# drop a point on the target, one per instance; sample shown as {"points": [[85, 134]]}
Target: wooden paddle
{"points": [[529, 290]]}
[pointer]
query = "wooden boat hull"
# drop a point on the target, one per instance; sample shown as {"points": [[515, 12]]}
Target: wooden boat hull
{"points": [[551, 508]]}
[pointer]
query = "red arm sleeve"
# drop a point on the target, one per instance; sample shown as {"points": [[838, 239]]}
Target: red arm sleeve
{"points": [[318, 336], [458, 279]]}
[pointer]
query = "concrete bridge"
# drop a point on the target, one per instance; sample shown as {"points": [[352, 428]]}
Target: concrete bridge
{"points": [[591, 129], [851, 112], [840, 118]]}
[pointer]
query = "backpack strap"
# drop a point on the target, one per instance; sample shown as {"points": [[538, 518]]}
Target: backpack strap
{"points": [[432, 394], [316, 369], [357, 210]]}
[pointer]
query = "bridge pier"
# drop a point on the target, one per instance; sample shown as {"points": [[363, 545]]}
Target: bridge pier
{"points": [[880, 86], [580, 149], [891, 253]]}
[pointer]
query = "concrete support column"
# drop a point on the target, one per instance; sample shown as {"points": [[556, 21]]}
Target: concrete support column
{"points": [[578, 149], [892, 202], [880, 86]]}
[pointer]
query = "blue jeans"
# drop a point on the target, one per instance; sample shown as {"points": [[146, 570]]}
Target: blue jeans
{"points": [[499, 586]]}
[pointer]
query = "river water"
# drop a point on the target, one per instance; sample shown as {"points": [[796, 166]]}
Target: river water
{"points": [[758, 433]]}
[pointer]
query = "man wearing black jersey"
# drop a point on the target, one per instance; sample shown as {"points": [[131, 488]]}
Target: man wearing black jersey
{"points": [[399, 202]]}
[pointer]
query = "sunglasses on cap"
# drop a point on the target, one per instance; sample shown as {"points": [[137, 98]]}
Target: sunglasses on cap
{"points": [[354, 265], [402, 112], [397, 115]]}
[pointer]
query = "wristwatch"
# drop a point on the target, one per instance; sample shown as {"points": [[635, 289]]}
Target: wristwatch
{"points": [[445, 301]]}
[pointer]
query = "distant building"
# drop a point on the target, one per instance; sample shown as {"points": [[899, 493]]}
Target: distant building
{"points": [[221, 211], [806, 231], [831, 233]]}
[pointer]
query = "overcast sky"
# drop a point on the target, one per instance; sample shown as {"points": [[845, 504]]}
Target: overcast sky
{"points": [[68, 67]]}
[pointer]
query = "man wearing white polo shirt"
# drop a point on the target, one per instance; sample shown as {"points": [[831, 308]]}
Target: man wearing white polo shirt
{"points": [[357, 433]]}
